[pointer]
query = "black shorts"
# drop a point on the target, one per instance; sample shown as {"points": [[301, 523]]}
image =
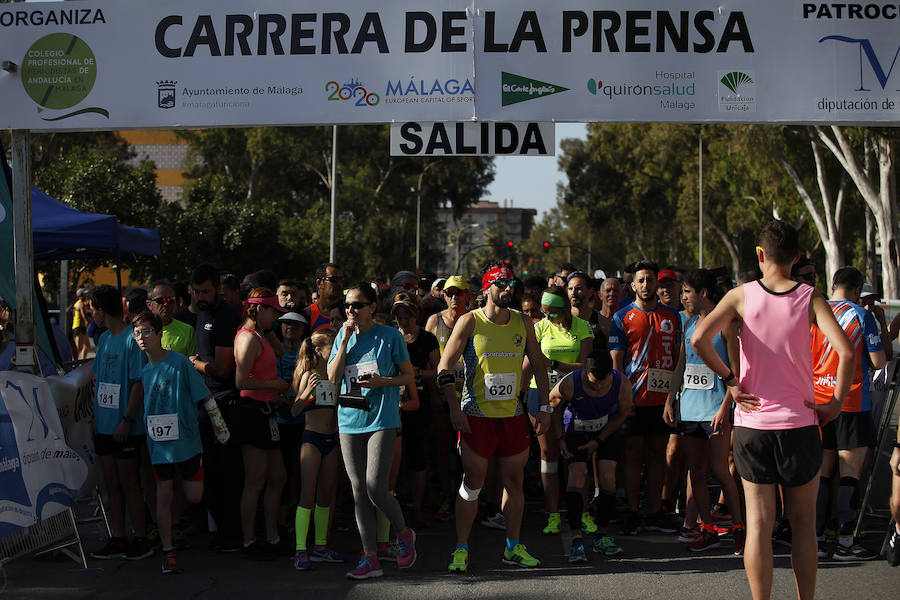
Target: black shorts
{"points": [[324, 443], [79, 330], [849, 431], [256, 425], [789, 457], [609, 449], [190, 470], [698, 429], [130, 449], [647, 420]]}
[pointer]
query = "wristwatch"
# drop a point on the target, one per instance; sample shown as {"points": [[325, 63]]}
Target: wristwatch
{"points": [[727, 380], [546, 408]]}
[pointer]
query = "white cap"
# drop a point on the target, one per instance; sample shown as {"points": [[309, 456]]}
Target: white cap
{"points": [[867, 290], [292, 316]]}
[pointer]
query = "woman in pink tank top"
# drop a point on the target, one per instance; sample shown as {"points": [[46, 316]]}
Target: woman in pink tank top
{"points": [[256, 376]]}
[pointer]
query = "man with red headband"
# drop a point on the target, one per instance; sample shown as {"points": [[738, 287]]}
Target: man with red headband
{"points": [[492, 342]]}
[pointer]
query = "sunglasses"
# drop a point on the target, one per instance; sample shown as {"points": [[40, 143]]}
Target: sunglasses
{"points": [[549, 315], [163, 300], [452, 293], [357, 305], [142, 333], [505, 283], [333, 278]]}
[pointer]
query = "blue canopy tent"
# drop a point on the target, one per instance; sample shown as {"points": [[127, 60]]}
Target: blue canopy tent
{"points": [[62, 232]]}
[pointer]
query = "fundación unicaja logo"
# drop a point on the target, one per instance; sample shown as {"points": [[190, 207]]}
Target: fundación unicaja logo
{"points": [[737, 91], [58, 72], [516, 88], [165, 94]]}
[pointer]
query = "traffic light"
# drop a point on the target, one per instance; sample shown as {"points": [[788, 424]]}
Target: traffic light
{"points": [[510, 244], [546, 246]]}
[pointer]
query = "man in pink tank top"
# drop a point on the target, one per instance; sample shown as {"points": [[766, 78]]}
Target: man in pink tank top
{"points": [[777, 439]]}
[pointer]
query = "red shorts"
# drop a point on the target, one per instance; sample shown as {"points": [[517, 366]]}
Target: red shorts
{"points": [[502, 437]]}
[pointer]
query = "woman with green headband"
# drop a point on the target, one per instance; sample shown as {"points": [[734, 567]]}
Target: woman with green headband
{"points": [[566, 341]]}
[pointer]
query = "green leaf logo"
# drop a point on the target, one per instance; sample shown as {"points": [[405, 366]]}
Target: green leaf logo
{"points": [[735, 80], [516, 88]]}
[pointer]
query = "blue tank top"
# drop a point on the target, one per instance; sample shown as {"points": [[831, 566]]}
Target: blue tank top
{"points": [[589, 414], [702, 391]]}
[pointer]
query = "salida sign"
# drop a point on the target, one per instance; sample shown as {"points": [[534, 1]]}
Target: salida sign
{"points": [[472, 139]]}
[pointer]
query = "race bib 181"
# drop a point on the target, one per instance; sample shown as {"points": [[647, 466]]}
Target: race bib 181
{"points": [[108, 395]]}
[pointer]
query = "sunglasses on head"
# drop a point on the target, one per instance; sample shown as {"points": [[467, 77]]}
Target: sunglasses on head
{"points": [[163, 299], [357, 305], [505, 283]]}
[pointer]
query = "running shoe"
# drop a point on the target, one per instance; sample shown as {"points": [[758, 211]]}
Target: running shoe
{"points": [[444, 511], [386, 552], [170, 564], [138, 549], [588, 524], [720, 514], [721, 530], [302, 561], [114, 548], [892, 552], [708, 540], [406, 548], [782, 534], [326, 555], [854, 552], [661, 522], [686, 536], [519, 556], [576, 552], [459, 561], [821, 547], [552, 527], [631, 524], [606, 546], [367, 568], [496, 521], [740, 538]]}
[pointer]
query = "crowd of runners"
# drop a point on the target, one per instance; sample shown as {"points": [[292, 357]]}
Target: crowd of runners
{"points": [[617, 401]]}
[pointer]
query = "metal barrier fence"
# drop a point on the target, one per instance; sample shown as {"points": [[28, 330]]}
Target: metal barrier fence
{"points": [[59, 532]]}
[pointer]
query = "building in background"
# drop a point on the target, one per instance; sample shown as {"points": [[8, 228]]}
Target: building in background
{"points": [[479, 223]]}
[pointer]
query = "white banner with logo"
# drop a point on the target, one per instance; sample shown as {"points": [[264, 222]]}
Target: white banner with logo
{"points": [[473, 139], [73, 394], [39, 474], [106, 64]]}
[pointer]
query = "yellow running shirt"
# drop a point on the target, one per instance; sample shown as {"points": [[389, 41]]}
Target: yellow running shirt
{"points": [[493, 362]]}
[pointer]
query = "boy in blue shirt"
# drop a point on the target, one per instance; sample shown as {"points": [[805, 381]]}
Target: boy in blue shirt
{"points": [[172, 389], [119, 425]]}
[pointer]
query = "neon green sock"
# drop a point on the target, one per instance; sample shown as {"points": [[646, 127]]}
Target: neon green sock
{"points": [[321, 518], [301, 526], [384, 529]]}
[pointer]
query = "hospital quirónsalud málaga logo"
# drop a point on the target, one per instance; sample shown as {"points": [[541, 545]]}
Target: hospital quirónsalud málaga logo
{"points": [[58, 72]]}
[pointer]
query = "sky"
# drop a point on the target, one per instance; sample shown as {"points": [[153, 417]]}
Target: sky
{"points": [[530, 181]]}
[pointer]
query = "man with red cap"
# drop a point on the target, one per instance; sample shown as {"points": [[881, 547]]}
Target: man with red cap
{"points": [[669, 290], [492, 342]]}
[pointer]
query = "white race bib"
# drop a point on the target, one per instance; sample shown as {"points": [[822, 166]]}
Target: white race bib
{"points": [[273, 430], [590, 425], [108, 395], [499, 386], [659, 380], [554, 377], [698, 377], [325, 393], [162, 428], [352, 372]]}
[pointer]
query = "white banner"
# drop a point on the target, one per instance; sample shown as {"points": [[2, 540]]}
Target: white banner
{"points": [[104, 64], [73, 395], [473, 139], [39, 474]]}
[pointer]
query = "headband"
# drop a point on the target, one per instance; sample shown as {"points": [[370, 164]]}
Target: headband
{"points": [[495, 273], [268, 301], [548, 299]]}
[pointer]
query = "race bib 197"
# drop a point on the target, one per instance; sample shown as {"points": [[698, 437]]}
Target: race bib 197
{"points": [[162, 428], [499, 386], [659, 380], [698, 377], [108, 395]]}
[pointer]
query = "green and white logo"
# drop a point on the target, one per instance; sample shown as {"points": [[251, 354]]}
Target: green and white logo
{"points": [[735, 80], [516, 88], [58, 72]]}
